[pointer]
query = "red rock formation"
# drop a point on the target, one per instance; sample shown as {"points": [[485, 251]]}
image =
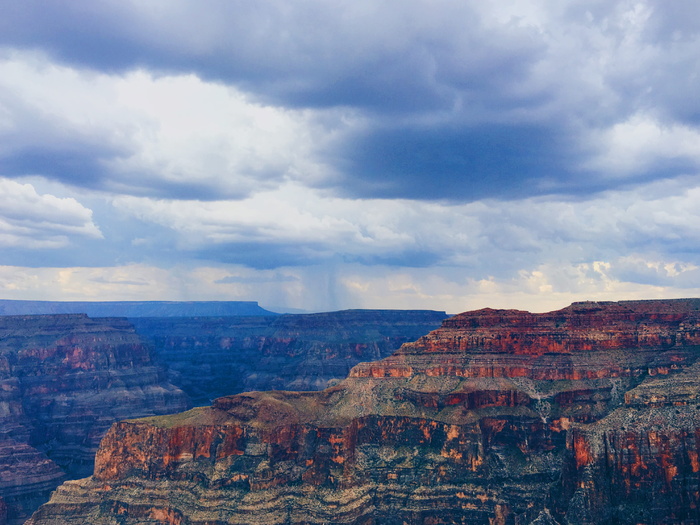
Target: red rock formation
{"points": [[64, 379], [585, 415], [639, 463]]}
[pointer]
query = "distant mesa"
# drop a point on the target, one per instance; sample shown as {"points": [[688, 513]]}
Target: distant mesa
{"points": [[135, 308]]}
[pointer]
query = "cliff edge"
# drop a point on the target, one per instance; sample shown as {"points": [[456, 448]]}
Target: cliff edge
{"points": [[586, 415], [64, 379]]}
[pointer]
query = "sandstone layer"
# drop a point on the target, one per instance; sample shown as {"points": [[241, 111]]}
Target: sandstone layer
{"points": [[585, 415], [64, 379], [217, 356]]}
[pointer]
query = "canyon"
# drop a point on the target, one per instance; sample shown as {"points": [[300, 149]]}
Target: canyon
{"points": [[585, 415], [217, 356], [66, 378]]}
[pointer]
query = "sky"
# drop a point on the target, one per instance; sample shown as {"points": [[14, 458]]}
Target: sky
{"points": [[316, 155]]}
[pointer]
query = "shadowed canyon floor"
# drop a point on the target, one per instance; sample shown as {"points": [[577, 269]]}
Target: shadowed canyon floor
{"points": [[217, 356], [587, 415]]}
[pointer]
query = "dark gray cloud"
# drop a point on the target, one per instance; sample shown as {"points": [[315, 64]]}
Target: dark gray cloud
{"points": [[382, 56], [319, 147], [269, 255], [77, 164], [460, 163], [457, 105], [107, 36], [85, 164]]}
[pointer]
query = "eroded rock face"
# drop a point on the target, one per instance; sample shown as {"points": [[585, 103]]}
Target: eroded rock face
{"points": [[640, 463], [218, 356], [585, 415], [64, 379]]}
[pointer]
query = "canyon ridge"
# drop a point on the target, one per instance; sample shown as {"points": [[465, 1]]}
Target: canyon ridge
{"points": [[66, 378], [586, 415]]}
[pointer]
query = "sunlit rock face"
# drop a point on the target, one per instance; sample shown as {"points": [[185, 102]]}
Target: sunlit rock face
{"points": [[64, 379], [217, 356], [584, 415]]}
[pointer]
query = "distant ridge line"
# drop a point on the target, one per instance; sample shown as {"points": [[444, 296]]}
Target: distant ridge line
{"points": [[135, 308]]}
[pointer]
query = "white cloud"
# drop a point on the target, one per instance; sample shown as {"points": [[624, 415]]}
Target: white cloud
{"points": [[543, 288], [312, 220], [31, 220], [210, 135], [642, 143], [493, 237], [45, 105], [141, 133], [540, 288], [130, 282], [145, 282]]}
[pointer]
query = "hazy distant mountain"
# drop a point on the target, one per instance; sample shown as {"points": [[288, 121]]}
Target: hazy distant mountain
{"points": [[134, 308]]}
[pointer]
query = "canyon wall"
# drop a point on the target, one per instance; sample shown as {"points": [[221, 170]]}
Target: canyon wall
{"points": [[64, 379], [585, 415], [217, 356]]}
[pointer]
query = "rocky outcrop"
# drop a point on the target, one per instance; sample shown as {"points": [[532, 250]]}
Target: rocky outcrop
{"points": [[584, 415], [217, 356], [640, 463], [64, 380], [27, 477]]}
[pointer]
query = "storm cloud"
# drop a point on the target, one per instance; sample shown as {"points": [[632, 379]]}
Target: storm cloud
{"points": [[529, 151]]}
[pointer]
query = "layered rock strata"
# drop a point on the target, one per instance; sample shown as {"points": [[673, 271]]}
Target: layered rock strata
{"points": [[64, 379], [640, 463], [218, 356], [584, 415]]}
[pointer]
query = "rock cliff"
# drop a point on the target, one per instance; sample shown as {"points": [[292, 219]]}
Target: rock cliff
{"points": [[585, 415], [217, 356], [64, 379]]}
